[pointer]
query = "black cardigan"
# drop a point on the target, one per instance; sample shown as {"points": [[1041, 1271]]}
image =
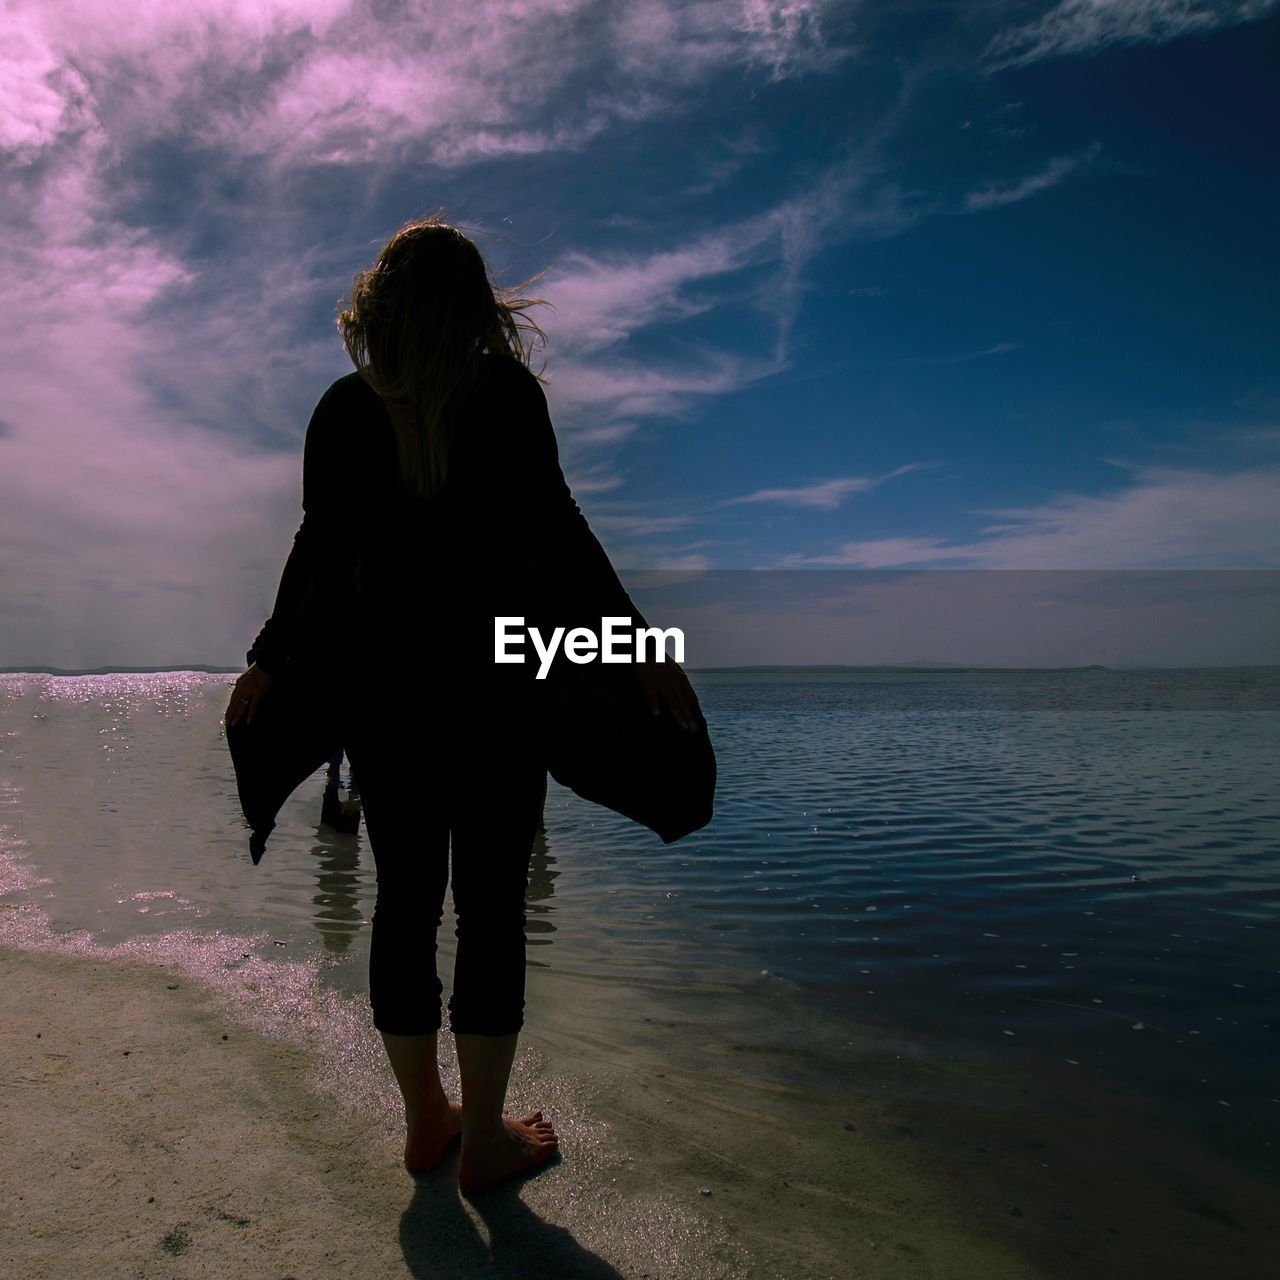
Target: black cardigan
{"points": [[413, 586], [378, 575]]}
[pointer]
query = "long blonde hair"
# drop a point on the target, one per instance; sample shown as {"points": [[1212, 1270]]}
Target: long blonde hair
{"points": [[416, 327]]}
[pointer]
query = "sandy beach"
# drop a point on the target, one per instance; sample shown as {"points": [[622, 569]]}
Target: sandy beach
{"points": [[146, 1133], [149, 1132], [196, 1109]]}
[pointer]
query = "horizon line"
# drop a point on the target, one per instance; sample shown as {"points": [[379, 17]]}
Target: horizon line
{"points": [[926, 667]]}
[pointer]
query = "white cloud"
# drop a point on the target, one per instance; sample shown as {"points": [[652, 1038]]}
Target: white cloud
{"points": [[996, 349], [1057, 169], [962, 357], [1083, 26], [638, 525], [693, 562], [603, 300], [604, 398], [823, 495], [885, 553], [1166, 518], [600, 396]]}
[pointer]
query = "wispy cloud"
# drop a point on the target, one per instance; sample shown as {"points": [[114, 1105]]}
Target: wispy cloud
{"points": [[693, 562], [996, 349], [185, 188], [603, 400], [168, 350], [1056, 171], [787, 36], [602, 394], [339, 81], [604, 299], [886, 553], [963, 357], [639, 525], [1166, 518], [822, 495], [1083, 26]]}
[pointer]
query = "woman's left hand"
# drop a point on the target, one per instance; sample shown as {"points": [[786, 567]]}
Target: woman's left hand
{"points": [[667, 689]]}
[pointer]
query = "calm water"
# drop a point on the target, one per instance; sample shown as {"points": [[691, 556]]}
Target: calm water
{"points": [[1072, 865]]}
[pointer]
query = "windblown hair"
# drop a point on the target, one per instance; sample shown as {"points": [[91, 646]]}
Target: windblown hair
{"points": [[417, 325]]}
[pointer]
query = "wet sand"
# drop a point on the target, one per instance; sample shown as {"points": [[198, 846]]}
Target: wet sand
{"points": [[910, 1163], [196, 1107]]}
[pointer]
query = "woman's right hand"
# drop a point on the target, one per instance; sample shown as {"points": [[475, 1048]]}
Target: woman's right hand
{"points": [[667, 691], [246, 695]]}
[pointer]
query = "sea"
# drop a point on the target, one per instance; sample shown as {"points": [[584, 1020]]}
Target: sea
{"points": [[1070, 875]]}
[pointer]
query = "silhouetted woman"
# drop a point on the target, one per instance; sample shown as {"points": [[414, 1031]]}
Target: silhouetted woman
{"points": [[434, 470]]}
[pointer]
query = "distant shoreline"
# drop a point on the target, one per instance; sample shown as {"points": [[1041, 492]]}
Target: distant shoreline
{"points": [[897, 668], [817, 668]]}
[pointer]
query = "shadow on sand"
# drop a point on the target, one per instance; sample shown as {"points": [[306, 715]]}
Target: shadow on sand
{"points": [[439, 1238]]}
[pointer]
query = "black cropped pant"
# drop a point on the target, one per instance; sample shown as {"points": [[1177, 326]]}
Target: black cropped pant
{"points": [[445, 805]]}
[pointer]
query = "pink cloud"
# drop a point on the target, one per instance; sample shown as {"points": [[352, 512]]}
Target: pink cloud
{"points": [[334, 80], [128, 482]]}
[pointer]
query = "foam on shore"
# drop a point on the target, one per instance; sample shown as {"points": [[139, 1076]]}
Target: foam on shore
{"points": [[195, 1105]]}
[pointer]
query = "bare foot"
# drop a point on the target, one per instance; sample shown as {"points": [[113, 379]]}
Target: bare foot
{"points": [[524, 1144], [429, 1135]]}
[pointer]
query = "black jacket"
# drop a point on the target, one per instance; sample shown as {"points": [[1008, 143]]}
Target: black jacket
{"points": [[503, 532], [392, 582]]}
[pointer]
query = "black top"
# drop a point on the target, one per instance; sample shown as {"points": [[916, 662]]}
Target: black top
{"points": [[379, 575]]}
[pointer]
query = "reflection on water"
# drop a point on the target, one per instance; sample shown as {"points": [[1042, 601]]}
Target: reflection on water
{"points": [[341, 815], [542, 887], [337, 914], [120, 788]]}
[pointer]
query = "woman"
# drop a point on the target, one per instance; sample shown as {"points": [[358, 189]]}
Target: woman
{"points": [[431, 478]]}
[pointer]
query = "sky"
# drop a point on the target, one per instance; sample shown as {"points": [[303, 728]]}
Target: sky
{"points": [[883, 285]]}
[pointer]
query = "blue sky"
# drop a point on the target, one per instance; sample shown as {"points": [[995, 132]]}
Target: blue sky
{"points": [[861, 285]]}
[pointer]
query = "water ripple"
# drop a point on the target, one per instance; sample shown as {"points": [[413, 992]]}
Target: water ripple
{"points": [[1075, 853]]}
